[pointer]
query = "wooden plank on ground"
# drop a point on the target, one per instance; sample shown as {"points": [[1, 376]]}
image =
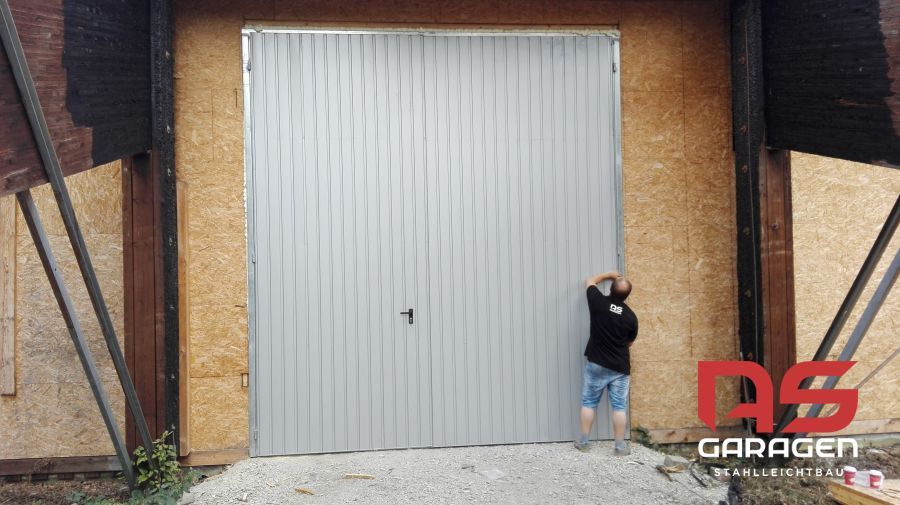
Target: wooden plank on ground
{"points": [[865, 427], [214, 458], [7, 296], [47, 466], [889, 494], [687, 435]]}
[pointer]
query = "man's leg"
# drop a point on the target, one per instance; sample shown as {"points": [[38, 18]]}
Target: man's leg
{"points": [[590, 397], [618, 399], [587, 421], [619, 424]]}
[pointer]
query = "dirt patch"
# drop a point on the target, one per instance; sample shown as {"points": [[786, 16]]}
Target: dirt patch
{"points": [[789, 490], [811, 489], [62, 492]]}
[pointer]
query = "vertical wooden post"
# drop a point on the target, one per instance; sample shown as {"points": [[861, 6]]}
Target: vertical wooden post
{"points": [[765, 268], [144, 314], [7, 296], [184, 344], [777, 261]]}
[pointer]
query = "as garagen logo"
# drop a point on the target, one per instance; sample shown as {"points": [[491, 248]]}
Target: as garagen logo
{"points": [[763, 410]]}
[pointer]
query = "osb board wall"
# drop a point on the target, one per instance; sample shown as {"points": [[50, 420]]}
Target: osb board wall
{"points": [[53, 412], [839, 208], [678, 185]]}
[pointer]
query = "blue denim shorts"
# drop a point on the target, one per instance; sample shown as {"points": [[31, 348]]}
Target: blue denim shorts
{"points": [[597, 379]]}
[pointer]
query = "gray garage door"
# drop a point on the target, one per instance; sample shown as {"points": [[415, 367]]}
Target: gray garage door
{"points": [[466, 180]]}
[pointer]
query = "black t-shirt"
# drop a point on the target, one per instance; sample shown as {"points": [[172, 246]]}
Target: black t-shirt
{"points": [[613, 327]]}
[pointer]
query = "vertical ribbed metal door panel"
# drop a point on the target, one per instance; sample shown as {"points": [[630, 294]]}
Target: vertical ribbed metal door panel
{"points": [[470, 178], [522, 207], [339, 239]]}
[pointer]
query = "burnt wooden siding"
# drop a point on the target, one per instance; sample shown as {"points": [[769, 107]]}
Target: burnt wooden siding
{"points": [[832, 78], [90, 60]]}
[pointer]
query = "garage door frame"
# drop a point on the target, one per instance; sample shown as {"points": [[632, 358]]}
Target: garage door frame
{"points": [[249, 169]]}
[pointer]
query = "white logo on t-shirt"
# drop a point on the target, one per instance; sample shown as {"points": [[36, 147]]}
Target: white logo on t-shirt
{"points": [[615, 309]]}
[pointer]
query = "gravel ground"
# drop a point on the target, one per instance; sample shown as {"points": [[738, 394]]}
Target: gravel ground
{"points": [[533, 473]]}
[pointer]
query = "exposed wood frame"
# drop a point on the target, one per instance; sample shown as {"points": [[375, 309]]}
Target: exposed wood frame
{"points": [[144, 314], [865, 427], [765, 271], [7, 296], [688, 435], [37, 122], [184, 343], [163, 137], [748, 135], [859, 495], [215, 458], [150, 250], [51, 466], [777, 264]]}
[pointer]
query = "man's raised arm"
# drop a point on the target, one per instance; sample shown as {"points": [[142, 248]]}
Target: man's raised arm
{"points": [[597, 279]]}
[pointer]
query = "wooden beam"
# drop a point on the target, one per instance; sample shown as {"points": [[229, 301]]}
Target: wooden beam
{"points": [[50, 466], [7, 296], [777, 264], [215, 458], [748, 138], [163, 138], [184, 342], [889, 494], [93, 85], [832, 72], [865, 427], [144, 314], [688, 435], [763, 210]]}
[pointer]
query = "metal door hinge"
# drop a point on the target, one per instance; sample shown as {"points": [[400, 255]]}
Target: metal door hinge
{"points": [[255, 435], [615, 67]]}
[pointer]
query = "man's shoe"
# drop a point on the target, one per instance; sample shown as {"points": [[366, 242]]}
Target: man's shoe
{"points": [[622, 451], [582, 446]]}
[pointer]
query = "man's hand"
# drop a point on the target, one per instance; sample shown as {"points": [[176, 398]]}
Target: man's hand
{"points": [[597, 279]]}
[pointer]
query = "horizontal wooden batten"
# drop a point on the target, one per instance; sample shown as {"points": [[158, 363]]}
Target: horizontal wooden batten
{"points": [[688, 435], [51, 466], [214, 458]]}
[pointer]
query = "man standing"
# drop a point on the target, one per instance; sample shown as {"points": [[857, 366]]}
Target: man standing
{"points": [[613, 329]]}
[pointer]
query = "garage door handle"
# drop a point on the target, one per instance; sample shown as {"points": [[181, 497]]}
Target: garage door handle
{"points": [[408, 313]]}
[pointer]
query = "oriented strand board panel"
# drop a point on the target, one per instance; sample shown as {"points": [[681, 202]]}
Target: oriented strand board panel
{"points": [[54, 412], [678, 184], [839, 208]]}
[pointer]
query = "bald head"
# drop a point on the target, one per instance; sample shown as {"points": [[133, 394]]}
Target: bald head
{"points": [[621, 288]]}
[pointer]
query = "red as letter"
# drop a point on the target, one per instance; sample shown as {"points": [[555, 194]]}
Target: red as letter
{"points": [[846, 399], [707, 371]]}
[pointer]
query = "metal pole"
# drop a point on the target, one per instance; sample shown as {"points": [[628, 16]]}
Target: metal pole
{"points": [[856, 289], [865, 321], [31, 101], [29, 211]]}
